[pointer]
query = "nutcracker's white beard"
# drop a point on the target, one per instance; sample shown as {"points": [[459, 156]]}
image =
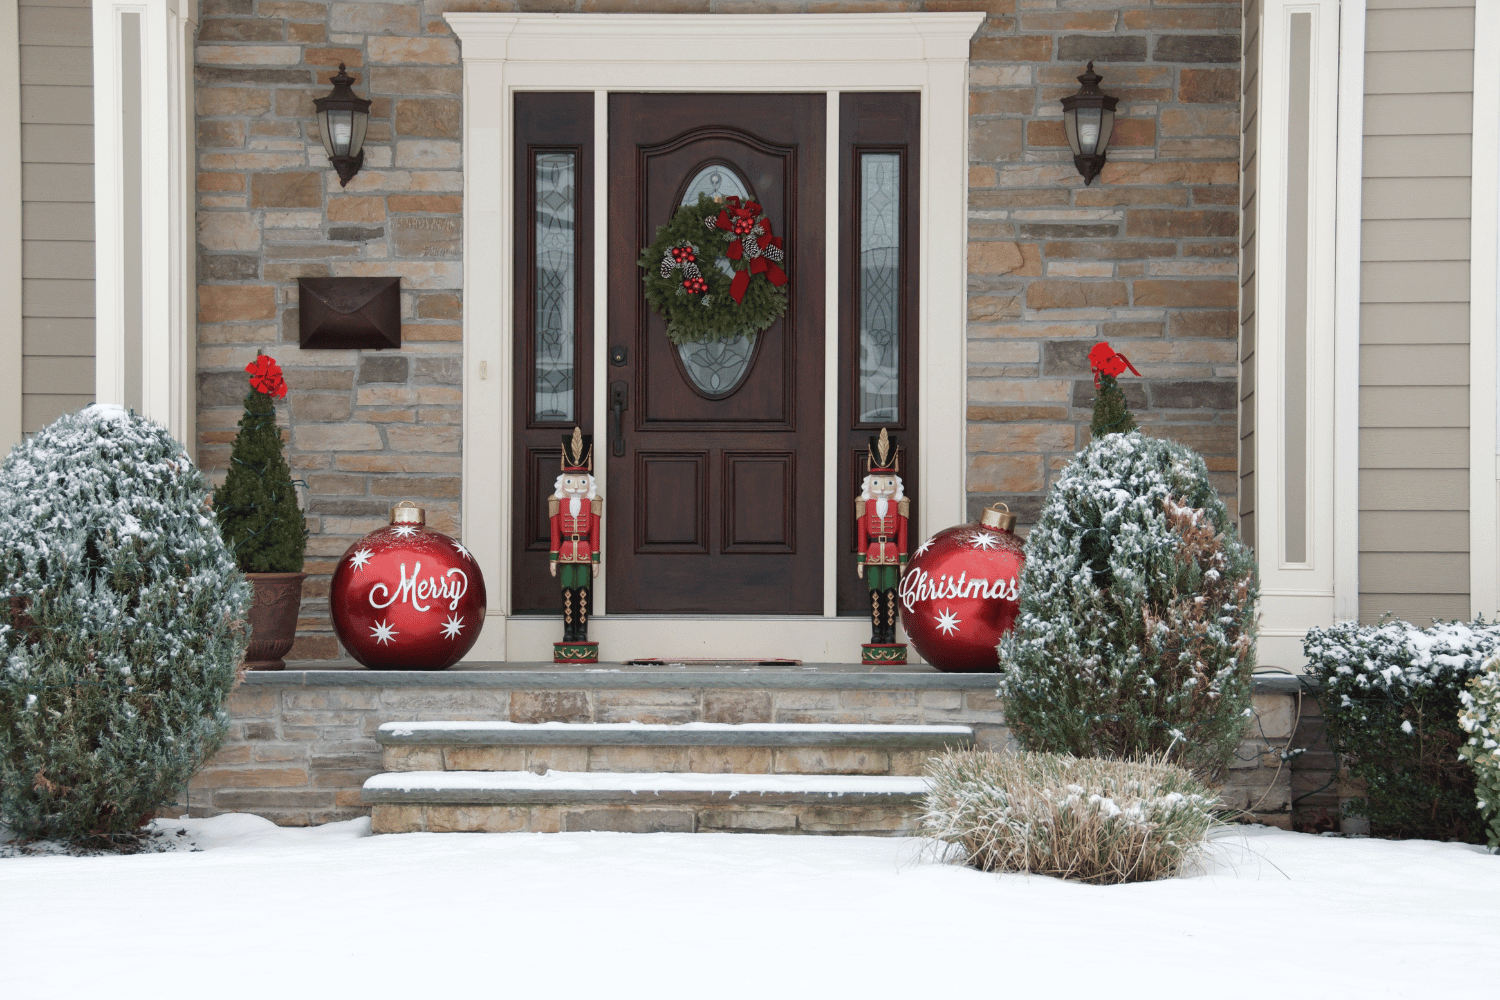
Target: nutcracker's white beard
{"points": [[557, 489], [865, 494]]}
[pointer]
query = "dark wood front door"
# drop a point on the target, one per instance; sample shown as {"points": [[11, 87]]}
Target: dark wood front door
{"points": [[716, 504]]}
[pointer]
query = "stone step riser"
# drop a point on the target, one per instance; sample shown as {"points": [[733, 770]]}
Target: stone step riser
{"points": [[821, 820], [692, 759]]}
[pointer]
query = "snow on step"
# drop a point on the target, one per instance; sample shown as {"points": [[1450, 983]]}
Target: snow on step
{"points": [[522, 787], [686, 734]]}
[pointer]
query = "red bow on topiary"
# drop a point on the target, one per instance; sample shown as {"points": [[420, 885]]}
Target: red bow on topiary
{"points": [[265, 376], [1105, 361], [754, 241]]}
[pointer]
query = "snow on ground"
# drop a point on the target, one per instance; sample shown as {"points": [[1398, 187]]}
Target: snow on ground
{"points": [[332, 912]]}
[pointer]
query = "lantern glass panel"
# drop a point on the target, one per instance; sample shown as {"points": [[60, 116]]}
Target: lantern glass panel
{"points": [[357, 140], [340, 129], [323, 133], [1089, 122], [1106, 129], [1070, 127]]}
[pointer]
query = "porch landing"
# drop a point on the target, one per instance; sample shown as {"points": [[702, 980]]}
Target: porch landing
{"points": [[302, 742]]}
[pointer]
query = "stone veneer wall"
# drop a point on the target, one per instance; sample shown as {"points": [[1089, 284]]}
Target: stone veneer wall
{"points": [[1146, 257]]}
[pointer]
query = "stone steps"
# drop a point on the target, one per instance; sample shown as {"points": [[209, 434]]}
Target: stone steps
{"points": [[703, 747], [554, 777]]}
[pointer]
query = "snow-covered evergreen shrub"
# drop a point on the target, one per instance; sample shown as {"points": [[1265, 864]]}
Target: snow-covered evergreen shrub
{"points": [[1390, 698], [1480, 718], [1136, 637], [121, 625], [1100, 821]]}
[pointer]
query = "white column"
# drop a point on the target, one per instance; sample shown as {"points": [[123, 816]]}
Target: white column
{"points": [[145, 285], [1297, 149], [1484, 316], [10, 225]]}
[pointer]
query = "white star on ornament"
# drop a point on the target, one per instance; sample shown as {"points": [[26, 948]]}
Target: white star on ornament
{"points": [[382, 632], [359, 558], [403, 531], [984, 540], [947, 622], [924, 546], [461, 550], [452, 627]]}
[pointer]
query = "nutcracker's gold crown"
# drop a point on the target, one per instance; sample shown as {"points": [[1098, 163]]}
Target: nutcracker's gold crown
{"points": [[885, 454], [407, 512], [578, 452], [993, 517]]}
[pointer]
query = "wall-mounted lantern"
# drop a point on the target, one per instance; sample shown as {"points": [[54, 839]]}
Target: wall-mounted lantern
{"points": [[342, 119], [1088, 119]]}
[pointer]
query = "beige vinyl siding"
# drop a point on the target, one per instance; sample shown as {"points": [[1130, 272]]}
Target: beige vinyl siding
{"points": [[1414, 315], [57, 209], [1248, 171]]}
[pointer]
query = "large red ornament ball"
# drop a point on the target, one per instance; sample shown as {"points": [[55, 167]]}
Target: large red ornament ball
{"points": [[959, 593], [406, 597]]}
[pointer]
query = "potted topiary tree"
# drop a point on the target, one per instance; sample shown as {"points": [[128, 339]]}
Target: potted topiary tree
{"points": [[259, 517]]}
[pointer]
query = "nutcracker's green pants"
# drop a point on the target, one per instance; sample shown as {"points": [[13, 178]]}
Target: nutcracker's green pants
{"points": [[574, 575], [881, 577]]}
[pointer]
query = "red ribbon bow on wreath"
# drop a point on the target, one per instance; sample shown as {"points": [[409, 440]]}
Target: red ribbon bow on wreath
{"points": [[265, 376], [1105, 361], [753, 242]]}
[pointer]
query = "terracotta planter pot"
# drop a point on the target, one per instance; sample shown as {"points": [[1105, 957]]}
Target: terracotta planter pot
{"points": [[273, 618]]}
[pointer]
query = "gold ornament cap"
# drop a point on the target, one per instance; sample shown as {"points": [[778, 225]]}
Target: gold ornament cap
{"points": [[994, 517], [407, 512]]}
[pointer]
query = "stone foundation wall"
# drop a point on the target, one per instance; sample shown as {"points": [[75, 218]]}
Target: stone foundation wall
{"points": [[1146, 257], [301, 744]]}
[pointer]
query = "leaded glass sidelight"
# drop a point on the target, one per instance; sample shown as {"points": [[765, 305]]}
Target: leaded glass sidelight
{"points": [[717, 368], [879, 287], [556, 292]]}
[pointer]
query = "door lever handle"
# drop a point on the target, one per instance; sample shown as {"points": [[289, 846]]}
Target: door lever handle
{"points": [[619, 394]]}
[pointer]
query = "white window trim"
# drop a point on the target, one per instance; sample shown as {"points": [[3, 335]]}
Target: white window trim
{"points": [[11, 350], [167, 246], [506, 53], [1296, 596], [1484, 316]]}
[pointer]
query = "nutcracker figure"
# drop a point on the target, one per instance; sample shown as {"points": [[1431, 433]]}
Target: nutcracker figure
{"points": [[574, 510], [881, 513]]}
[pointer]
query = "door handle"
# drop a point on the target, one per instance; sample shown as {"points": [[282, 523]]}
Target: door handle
{"points": [[619, 394]]}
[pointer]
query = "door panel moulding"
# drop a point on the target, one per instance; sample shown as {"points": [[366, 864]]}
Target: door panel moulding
{"points": [[1484, 318], [145, 237], [506, 53], [1297, 369]]}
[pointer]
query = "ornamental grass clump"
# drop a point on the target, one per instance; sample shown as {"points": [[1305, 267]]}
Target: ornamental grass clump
{"points": [[1136, 634], [122, 626], [1086, 819], [1391, 695]]}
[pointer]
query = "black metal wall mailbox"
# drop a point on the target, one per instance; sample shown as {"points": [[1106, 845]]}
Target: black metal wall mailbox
{"points": [[345, 314]]}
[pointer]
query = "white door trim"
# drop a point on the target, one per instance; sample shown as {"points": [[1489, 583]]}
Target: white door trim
{"points": [[506, 53], [1484, 316], [11, 349]]}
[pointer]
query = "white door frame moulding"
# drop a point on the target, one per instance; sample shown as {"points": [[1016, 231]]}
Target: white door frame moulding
{"points": [[1295, 595], [160, 234], [507, 53], [1484, 316], [11, 353], [1348, 236]]}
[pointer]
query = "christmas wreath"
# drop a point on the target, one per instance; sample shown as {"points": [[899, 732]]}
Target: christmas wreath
{"points": [[687, 286]]}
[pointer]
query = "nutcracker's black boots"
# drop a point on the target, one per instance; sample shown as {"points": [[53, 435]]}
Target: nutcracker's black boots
{"points": [[585, 595], [569, 629], [877, 632], [890, 616]]}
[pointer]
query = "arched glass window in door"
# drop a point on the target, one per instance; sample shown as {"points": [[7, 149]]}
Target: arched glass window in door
{"points": [[717, 368]]}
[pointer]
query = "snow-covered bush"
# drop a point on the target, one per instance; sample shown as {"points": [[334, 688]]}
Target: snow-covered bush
{"points": [[1136, 637], [1390, 698], [1100, 821], [1480, 718], [121, 625]]}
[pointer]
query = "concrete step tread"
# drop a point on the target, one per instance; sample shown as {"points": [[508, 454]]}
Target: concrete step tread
{"points": [[604, 786], [758, 734]]}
